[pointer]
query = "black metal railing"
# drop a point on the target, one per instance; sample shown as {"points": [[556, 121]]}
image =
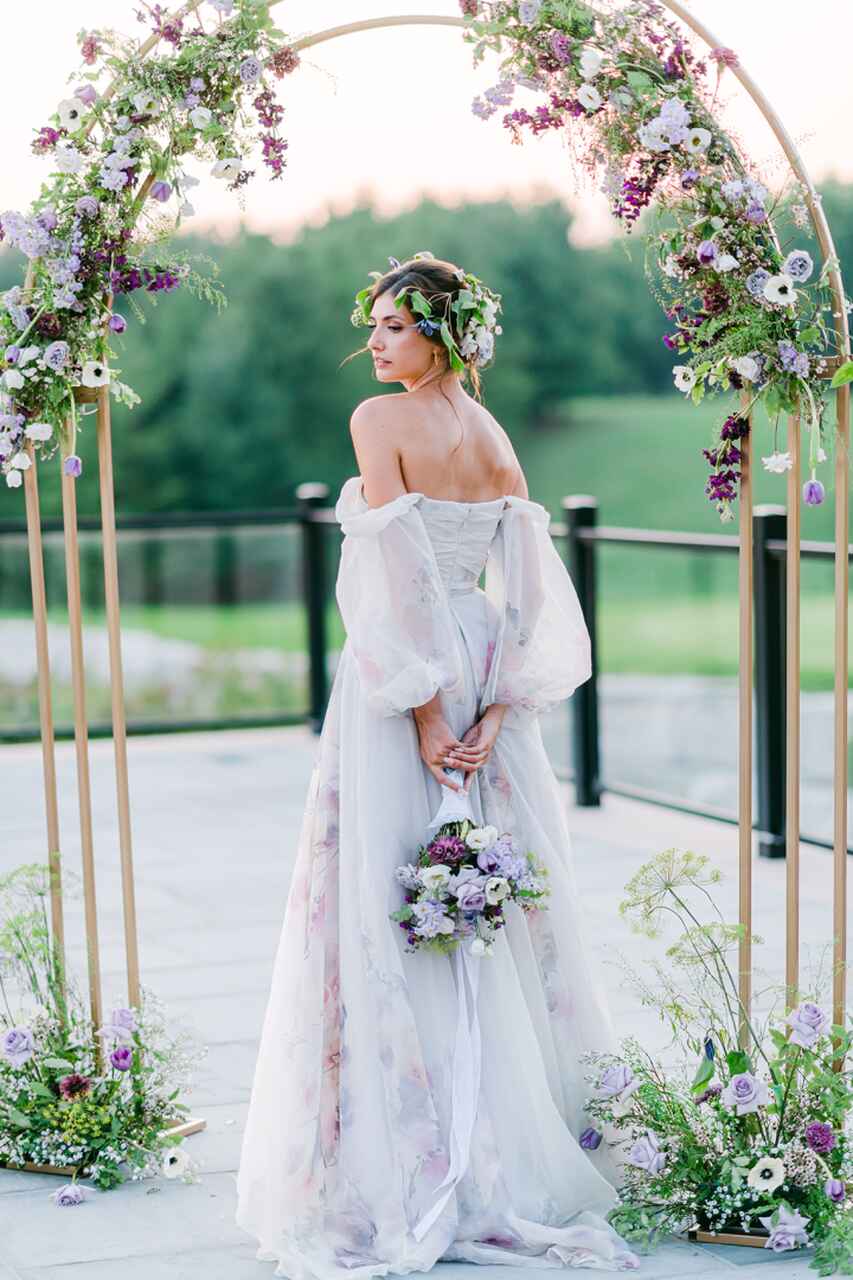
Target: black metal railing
{"points": [[580, 536]]}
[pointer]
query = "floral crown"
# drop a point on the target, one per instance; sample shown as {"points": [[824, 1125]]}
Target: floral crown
{"points": [[475, 307]]}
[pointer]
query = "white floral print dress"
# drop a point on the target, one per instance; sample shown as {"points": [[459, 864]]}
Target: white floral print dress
{"points": [[347, 1136]]}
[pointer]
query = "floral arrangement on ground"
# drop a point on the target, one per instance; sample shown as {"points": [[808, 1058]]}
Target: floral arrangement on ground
{"points": [[98, 1100], [752, 1133], [623, 85]]}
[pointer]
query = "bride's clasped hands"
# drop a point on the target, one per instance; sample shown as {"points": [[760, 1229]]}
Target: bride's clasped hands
{"points": [[440, 748]]}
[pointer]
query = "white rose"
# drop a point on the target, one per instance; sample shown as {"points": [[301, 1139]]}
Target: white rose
{"points": [[14, 479], [144, 102], [590, 62], [13, 380], [22, 461], [435, 877], [201, 117], [747, 367], [176, 1162], [39, 431], [481, 837], [589, 97]]}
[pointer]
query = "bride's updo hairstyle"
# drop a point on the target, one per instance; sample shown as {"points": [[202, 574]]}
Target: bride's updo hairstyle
{"points": [[453, 309]]}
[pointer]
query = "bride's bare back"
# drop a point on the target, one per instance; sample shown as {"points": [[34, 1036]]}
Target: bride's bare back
{"points": [[445, 448]]}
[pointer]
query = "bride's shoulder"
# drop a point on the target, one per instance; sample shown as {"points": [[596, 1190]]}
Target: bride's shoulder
{"points": [[384, 410]]}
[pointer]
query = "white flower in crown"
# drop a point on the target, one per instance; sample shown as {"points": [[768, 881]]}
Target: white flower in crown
{"points": [[780, 289], [481, 837], [95, 374], [685, 377], [71, 113]]}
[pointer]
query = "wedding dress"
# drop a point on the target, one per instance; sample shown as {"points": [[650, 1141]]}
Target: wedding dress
{"points": [[353, 1161]]}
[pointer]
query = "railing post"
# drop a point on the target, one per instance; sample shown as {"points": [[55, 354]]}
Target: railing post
{"points": [[580, 512], [770, 698], [310, 496]]}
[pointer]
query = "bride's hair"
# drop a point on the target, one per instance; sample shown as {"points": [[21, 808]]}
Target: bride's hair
{"points": [[436, 280]]}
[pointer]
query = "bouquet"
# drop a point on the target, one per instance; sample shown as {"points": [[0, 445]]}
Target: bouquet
{"points": [[459, 886]]}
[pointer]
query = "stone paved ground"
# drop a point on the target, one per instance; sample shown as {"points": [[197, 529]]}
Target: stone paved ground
{"points": [[215, 822]]}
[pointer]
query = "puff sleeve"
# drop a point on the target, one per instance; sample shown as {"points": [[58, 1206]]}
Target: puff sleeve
{"points": [[542, 649], [400, 628]]}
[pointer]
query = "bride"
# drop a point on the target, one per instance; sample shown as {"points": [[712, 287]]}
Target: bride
{"points": [[397, 1118]]}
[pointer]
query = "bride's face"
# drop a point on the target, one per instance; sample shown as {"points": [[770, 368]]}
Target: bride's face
{"points": [[400, 352]]}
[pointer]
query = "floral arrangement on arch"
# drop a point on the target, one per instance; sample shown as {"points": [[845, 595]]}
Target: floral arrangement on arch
{"points": [[747, 1137], [119, 185], [101, 1114], [748, 313]]}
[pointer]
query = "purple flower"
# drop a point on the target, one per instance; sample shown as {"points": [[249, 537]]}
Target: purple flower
{"points": [[56, 355], [713, 1091], [12, 354], [72, 466], [755, 283], [646, 1154], [809, 1022], [87, 207], [745, 1093], [122, 1057], [798, 265], [47, 217], [787, 1231], [561, 46], [689, 178], [197, 83], [471, 896], [813, 493], [618, 1081], [160, 191], [489, 859], [446, 848], [74, 1086], [121, 1025], [118, 324], [820, 1136], [755, 212], [250, 69], [707, 252], [590, 1139], [71, 1193], [86, 93], [18, 1045], [835, 1189]]}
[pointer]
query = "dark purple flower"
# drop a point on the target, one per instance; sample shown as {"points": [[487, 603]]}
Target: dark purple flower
{"points": [[707, 252], [713, 1090], [813, 493], [72, 465], [446, 849], [835, 1189], [590, 1139], [122, 1057], [689, 178], [47, 138], [118, 324], [74, 1086], [820, 1136]]}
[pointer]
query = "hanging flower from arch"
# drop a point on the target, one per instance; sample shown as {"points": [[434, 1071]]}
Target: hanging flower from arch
{"points": [[747, 313]]}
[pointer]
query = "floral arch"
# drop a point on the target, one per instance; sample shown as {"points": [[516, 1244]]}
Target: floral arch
{"points": [[747, 314]]}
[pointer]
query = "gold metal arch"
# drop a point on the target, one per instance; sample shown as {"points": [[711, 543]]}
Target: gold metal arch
{"points": [[101, 398]]}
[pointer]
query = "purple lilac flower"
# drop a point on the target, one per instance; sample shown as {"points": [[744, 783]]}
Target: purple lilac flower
{"points": [[431, 917], [198, 83], [18, 1045], [787, 354], [47, 218], [820, 1136], [561, 47], [122, 1057], [56, 355], [113, 179], [160, 191], [87, 207], [73, 465], [813, 493], [835, 1189], [590, 1139], [250, 69]]}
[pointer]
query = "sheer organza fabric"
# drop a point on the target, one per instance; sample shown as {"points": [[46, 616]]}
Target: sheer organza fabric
{"points": [[346, 1138]]}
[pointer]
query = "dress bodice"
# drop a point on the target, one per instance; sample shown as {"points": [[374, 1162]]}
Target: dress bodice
{"points": [[461, 534]]}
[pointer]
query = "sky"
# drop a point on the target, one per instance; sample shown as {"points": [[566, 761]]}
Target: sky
{"points": [[388, 113]]}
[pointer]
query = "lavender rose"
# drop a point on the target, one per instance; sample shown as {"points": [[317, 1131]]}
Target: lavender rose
{"points": [[18, 1045], [744, 1093], [618, 1081], [809, 1022], [646, 1154], [471, 896], [71, 1193], [786, 1232]]}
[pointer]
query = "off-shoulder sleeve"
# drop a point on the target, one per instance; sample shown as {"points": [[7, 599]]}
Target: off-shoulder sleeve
{"points": [[542, 646], [399, 624]]}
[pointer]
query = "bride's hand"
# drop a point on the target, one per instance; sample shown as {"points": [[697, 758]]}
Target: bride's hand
{"points": [[440, 747], [481, 737]]}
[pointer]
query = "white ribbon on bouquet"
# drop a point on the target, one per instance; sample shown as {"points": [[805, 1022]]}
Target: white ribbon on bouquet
{"points": [[467, 1052]]}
